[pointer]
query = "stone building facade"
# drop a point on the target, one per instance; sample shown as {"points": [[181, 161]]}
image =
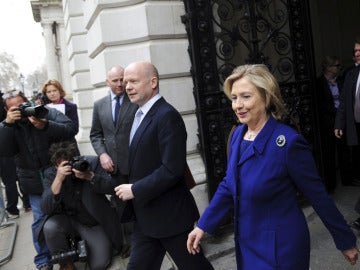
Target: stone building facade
{"points": [[85, 38]]}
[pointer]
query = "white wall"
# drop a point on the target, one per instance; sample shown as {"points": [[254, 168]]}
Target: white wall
{"points": [[104, 33]]}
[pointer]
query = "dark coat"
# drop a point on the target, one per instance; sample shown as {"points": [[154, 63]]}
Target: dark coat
{"points": [[92, 196], [2, 109], [30, 146], [345, 114], [71, 112], [325, 103], [110, 139], [262, 185], [163, 205]]}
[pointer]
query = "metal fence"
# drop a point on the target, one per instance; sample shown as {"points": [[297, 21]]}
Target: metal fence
{"points": [[9, 228]]}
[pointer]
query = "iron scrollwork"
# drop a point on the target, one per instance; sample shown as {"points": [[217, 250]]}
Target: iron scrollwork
{"points": [[226, 33]]}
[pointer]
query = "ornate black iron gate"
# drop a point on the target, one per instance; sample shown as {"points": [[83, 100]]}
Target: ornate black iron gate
{"points": [[226, 33]]}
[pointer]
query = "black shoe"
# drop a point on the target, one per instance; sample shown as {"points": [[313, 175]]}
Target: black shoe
{"points": [[354, 183], [46, 267], [356, 224], [11, 216], [125, 252]]}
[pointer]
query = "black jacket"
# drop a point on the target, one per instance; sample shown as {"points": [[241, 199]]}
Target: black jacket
{"points": [[92, 197], [30, 146], [345, 119]]}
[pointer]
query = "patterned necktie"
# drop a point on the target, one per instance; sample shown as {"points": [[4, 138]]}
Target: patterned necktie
{"points": [[117, 109], [136, 124]]}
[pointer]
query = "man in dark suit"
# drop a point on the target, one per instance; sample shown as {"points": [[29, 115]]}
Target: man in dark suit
{"points": [[164, 209], [328, 89], [109, 134], [347, 121]]}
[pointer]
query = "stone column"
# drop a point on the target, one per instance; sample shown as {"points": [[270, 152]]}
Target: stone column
{"points": [[63, 58], [51, 59]]}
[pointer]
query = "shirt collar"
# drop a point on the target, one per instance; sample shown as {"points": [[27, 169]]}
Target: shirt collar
{"points": [[113, 97], [147, 106]]}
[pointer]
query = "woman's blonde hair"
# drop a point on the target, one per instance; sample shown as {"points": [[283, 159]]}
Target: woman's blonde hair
{"points": [[55, 83], [260, 76]]}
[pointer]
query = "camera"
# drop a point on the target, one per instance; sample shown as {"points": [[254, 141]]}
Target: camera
{"points": [[77, 253], [38, 111], [79, 163], [42, 98]]}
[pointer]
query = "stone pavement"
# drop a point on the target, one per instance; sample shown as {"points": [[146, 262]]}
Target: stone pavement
{"points": [[218, 248]]}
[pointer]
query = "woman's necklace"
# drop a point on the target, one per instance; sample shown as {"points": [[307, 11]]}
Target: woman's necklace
{"points": [[250, 136]]}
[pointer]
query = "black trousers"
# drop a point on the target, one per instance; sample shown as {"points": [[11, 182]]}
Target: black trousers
{"points": [[9, 178], [355, 155], [147, 253], [58, 228]]}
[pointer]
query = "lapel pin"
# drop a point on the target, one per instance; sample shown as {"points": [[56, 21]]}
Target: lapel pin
{"points": [[280, 140]]}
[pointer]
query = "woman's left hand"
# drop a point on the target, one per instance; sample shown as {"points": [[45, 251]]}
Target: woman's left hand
{"points": [[351, 255]]}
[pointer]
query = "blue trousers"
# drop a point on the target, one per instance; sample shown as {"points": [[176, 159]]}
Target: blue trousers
{"points": [[43, 254]]}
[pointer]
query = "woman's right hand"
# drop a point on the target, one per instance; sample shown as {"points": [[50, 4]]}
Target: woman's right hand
{"points": [[193, 242], [351, 255]]}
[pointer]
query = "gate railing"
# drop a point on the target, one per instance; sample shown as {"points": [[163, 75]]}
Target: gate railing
{"points": [[5, 224]]}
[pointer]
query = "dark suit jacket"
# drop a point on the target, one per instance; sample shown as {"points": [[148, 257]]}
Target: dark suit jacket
{"points": [[110, 139], [163, 205], [325, 101], [92, 197], [71, 112], [345, 114]]}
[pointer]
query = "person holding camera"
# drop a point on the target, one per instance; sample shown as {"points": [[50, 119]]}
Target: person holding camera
{"points": [[76, 207], [26, 134]]}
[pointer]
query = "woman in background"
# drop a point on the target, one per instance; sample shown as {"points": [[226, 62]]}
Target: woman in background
{"points": [[55, 93]]}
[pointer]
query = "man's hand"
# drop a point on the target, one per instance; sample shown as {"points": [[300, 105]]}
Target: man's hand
{"points": [[106, 162], [124, 192], [338, 133], [13, 115], [62, 170], [37, 122]]}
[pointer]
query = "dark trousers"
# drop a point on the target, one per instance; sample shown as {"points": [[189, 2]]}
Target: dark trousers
{"points": [[9, 178], [57, 230], [147, 253], [328, 154], [355, 155], [119, 205]]}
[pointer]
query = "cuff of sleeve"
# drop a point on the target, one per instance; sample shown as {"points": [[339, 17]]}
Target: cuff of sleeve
{"points": [[57, 197]]}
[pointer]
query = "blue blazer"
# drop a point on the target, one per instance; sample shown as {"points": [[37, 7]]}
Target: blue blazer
{"points": [[163, 205], [261, 184]]}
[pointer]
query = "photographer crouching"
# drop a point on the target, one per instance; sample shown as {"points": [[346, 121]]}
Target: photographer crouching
{"points": [[75, 202]]}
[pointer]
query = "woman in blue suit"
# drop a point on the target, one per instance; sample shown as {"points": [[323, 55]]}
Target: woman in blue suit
{"points": [[268, 163]]}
